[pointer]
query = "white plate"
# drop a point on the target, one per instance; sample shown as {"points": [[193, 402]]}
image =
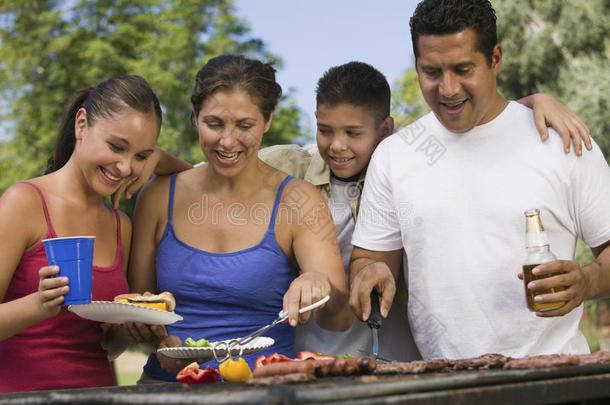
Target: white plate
{"points": [[205, 353], [119, 312]]}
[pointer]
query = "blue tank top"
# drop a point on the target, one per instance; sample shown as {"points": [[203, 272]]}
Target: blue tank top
{"points": [[224, 295]]}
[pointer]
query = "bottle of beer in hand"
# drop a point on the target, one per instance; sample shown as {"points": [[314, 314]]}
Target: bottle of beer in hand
{"points": [[538, 252]]}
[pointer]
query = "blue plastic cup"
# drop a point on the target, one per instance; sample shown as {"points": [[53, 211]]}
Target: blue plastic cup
{"points": [[74, 257]]}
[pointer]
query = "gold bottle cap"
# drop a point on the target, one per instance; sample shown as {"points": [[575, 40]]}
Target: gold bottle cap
{"points": [[534, 231]]}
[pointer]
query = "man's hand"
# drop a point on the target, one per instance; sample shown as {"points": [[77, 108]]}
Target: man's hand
{"points": [[557, 274], [377, 276]]}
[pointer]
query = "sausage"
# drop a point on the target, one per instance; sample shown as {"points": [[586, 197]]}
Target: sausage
{"points": [[366, 365], [285, 367], [344, 367]]}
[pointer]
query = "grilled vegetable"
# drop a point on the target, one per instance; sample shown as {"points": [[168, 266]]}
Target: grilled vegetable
{"points": [[235, 370], [190, 342], [192, 374]]}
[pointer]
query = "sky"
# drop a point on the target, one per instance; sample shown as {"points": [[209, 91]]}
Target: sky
{"points": [[311, 36]]}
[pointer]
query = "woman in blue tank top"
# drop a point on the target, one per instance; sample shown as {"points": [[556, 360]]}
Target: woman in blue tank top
{"points": [[235, 240]]}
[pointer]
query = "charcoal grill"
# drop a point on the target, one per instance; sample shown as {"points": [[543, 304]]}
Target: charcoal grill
{"points": [[584, 384]]}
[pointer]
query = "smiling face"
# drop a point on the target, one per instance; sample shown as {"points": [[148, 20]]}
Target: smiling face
{"points": [[347, 136], [114, 150], [231, 128], [456, 80]]}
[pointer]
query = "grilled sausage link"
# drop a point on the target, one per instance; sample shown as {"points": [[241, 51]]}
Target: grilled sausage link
{"points": [[366, 365], [344, 367], [285, 367]]}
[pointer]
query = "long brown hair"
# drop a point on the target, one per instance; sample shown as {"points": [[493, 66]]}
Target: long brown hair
{"points": [[103, 101]]}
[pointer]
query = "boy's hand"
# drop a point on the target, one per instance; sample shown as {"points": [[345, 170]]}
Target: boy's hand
{"points": [[550, 112], [374, 276]]}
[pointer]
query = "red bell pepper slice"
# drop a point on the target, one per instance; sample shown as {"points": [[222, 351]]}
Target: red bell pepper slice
{"points": [[273, 358], [192, 374], [314, 356]]}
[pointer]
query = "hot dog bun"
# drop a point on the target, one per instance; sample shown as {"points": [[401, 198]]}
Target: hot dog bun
{"points": [[164, 301]]}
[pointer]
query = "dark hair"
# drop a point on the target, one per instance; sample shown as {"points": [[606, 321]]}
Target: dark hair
{"points": [[231, 72], [355, 83], [440, 17], [103, 101]]}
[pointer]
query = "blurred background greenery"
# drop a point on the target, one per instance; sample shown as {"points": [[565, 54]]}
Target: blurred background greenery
{"points": [[49, 49]]}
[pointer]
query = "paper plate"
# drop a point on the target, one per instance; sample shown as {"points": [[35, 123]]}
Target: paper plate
{"points": [[205, 353], [118, 312]]}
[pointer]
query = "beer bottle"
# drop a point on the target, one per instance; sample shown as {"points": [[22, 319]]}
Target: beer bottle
{"points": [[538, 251]]}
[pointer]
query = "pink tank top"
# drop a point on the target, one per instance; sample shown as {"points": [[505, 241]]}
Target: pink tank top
{"points": [[63, 351]]}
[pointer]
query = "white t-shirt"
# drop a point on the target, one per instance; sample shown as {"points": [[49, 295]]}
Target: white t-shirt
{"points": [[456, 203]]}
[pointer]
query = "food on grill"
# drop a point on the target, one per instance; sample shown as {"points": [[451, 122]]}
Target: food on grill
{"points": [[285, 367], [313, 356], [322, 367], [282, 379], [597, 357], [395, 367], [235, 370], [488, 361], [192, 374], [273, 358], [547, 360], [481, 363], [164, 301], [344, 367]]}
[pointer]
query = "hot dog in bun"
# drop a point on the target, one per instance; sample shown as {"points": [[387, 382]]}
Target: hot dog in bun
{"points": [[164, 301]]}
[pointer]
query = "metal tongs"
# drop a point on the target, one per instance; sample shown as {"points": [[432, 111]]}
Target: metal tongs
{"points": [[241, 342]]}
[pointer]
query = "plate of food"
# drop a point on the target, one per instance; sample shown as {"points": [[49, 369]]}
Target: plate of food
{"points": [[205, 352], [151, 309]]}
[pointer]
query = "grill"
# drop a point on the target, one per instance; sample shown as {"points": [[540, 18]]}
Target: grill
{"points": [[584, 384]]}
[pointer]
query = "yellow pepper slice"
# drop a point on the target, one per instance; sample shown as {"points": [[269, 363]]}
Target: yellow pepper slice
{"points": [[235, 370]]}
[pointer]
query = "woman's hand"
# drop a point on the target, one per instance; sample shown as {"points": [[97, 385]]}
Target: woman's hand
{"points": [[51, 290], [148, 335], [134, 184], [306, 289], [169, 364]]}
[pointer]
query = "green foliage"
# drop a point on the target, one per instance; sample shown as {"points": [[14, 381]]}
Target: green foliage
{"points": [[561, 47], [49, 49], [408, 104]]}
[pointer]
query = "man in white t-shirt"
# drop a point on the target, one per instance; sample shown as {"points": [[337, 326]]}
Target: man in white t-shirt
{"points": [[448, 193]]}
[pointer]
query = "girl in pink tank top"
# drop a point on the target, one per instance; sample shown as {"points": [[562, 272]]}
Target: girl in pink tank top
{"points": [[107, 134]]}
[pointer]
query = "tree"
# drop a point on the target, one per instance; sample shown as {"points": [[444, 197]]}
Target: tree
{"points": [[561, 47], [50, 48], [408, 104]]}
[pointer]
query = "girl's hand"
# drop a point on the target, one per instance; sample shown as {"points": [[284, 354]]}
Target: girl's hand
{"points": [[51, 290], [306, 289]]}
